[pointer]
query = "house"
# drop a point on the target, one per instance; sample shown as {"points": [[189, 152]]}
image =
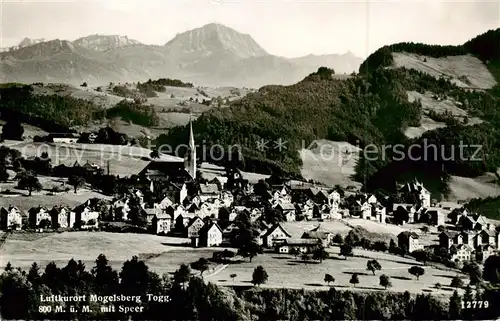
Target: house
{"points": [[319, 233], [150, 214], [208, 191], [306, 210], [448, 238], [161, 223], [11, 218], [487, 237], [39, 217], [67, 138], [361, 209], [121, 209], [436, 216], [334, 197], [183, 220], [160, 171], [409, 241], [415, 192], [378, 212], [468, 237], [461, 252], [273, 235], [164, 203], [287, 210], [466, 222], [210, 235], [62, 217], [86, 217], [227, 198], [404, 210], [482, 223], [299, 245], [194, 227]]}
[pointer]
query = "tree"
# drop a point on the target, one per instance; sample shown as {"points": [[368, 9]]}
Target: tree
{"points": [[233, 276], [29, 182], [373, 265], [320, 254], [457, 282], [13, 130], [417, 271], [4, 176], [337, 238], [474, 272], [329, 279], [154, 154], [491, 270], [354, 279], [8, 267], [295, 252], [105, 278], [250, 250], [346, 250], [380, 246], [421, 256], [259, 275], [385, 281], [305, 257], [200, 265], [76, 181], [34, 275], [455, 306], [182, 275]]}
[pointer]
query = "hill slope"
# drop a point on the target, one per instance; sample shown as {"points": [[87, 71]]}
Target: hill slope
{"points": [[213, 55], [377, 107]]}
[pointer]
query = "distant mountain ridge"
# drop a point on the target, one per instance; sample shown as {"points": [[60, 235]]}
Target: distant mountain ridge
{"points": [[210, 55]]}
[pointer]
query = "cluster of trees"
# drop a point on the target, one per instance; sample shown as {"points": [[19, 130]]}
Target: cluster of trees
{"points": [[133, 112], [190, 298], [50, 112]]}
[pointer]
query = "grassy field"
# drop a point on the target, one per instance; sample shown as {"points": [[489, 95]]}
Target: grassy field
{"points": [[455, 68], [124, 160], [287, 271], [165, 254]]}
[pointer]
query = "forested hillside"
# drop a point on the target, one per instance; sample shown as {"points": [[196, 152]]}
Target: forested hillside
{"points": [[56, 113], [371, 108]]}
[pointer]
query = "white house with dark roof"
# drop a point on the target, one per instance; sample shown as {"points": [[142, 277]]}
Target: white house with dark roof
{"points": [[274, 235], [11, 218]]}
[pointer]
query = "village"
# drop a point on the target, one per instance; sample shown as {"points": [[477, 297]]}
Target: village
{"points": [[172, 199]]}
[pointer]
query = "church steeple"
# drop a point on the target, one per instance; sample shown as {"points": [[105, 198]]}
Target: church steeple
{"points": [[190, 159]]}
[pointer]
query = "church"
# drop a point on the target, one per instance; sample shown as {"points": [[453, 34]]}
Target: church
{"points": [[174, 170]]}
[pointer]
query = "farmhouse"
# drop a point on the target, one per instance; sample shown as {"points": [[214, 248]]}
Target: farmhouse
{"points": [[273, 235], [68, 138], [39, 217], [319, 233], [409, 240], [62, 217], [210, 235], [298, 245], [161, 223], [11, 218], [194, 227], [462, 252]]}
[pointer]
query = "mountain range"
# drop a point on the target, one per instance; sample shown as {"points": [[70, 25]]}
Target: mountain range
{"points": [[212, 55]]}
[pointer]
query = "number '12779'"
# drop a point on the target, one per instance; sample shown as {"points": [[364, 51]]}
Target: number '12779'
{"points": [[475, 304]]}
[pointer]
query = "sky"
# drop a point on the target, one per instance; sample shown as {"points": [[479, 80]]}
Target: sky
{"points": [[282, 27]]}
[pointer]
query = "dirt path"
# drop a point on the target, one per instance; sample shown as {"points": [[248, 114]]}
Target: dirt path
{"points": [[217, 270]]}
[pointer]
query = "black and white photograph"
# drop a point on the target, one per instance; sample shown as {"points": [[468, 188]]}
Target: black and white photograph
{"points": [[249, 160]]}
